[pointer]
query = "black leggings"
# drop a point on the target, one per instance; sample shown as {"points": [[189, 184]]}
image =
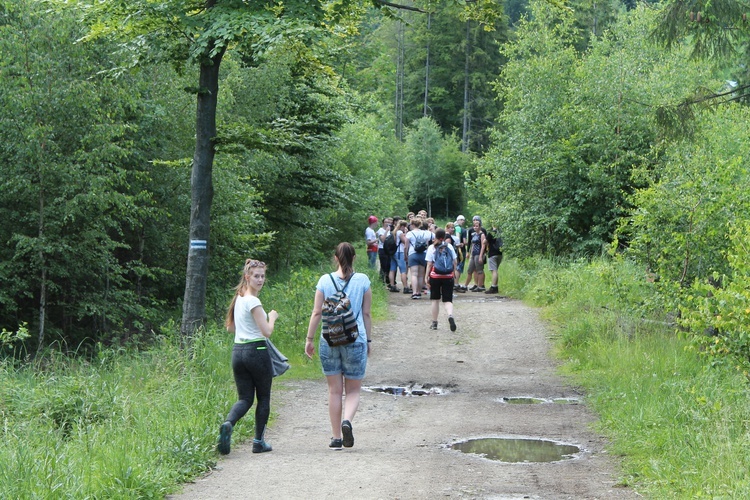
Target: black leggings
{"points": [[253, 376]]}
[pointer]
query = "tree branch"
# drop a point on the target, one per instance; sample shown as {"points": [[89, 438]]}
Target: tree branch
{"points": [[398, 6]]}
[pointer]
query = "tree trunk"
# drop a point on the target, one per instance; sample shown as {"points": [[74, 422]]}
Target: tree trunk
{"points": [[202, 192], [400, 82], [465, 134], [42, 265], [427, 67]]}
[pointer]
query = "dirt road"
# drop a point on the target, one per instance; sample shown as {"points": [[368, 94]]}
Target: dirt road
{"points": [[403, 442]]}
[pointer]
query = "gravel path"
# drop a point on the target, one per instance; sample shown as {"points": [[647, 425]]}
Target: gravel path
{"points": [[403, 443]]}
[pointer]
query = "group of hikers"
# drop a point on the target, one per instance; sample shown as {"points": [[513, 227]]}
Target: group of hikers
{"points": [[401, 246], [435, 258]]}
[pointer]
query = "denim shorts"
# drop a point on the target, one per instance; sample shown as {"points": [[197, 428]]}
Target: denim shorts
{"points": [[417, 259], [349, 360], [397, 262]]}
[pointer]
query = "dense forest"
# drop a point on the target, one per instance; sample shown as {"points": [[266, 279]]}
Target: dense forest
{"points": [[273, 129]]}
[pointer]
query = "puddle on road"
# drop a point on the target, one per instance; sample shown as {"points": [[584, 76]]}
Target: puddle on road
{"points": [[511, 450], [525, 400], [410, 390]]}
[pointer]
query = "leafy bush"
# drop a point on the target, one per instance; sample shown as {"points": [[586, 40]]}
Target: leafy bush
{"points": [[717, 312]]}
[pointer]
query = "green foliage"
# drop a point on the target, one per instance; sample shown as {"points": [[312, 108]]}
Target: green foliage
{"points": [[574, 129], [435, 167], [717, 311], [680, 228]]}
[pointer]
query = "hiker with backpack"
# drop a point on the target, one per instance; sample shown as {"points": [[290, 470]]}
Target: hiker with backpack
{"points": [[398, 236], [343, 301], [419, 239], [495, 256], [384, 256], [441, 268]]}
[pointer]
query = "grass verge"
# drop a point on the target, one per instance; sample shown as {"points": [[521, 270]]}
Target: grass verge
{"points": [[679, 424]]}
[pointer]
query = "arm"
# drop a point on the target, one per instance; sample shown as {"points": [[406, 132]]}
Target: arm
{"points": [[312, 327], [482, 247], [367, 317], [265, 325]]}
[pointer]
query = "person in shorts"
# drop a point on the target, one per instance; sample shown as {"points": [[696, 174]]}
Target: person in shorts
{"points": [[344, 366], [494, 256], [476, 241], [440, 285]]}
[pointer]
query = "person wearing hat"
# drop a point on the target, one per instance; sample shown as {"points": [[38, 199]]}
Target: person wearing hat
{"points": [[460, 250], [371, 240]]}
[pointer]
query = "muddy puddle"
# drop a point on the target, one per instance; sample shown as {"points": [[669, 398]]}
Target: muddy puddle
{"points": [[518, 450], [409, 390], [527, 400]]}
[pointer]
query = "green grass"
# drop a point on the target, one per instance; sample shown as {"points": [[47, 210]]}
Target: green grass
{"points": [[680, 425], [129, 423]]}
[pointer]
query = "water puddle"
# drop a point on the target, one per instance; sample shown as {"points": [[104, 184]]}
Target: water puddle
{"points": [[526, 400], [410, 390], [512, 450]]}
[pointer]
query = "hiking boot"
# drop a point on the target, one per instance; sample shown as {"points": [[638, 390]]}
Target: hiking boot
{"points": [[260, 446], [452, 322], [479, 289], [407, 290], [492, 289], [392, 288], [461, 289], [225, 437], [336, 444], [346, 431], [433, 326]]}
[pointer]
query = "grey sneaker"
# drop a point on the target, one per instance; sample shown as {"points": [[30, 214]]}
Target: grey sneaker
{"points": [[336, 444], [346, 431], [472, 289], [433, 326]]}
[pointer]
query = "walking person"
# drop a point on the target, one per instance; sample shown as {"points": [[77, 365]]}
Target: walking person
{"points": [[371, 240], [344, 366], [251, 363], [494, 256], [441, 268]]}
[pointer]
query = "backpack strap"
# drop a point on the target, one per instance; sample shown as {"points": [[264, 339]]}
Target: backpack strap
{"points": [[336, 286]]}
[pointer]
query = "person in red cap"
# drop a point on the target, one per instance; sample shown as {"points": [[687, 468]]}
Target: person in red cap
{"points": [[372, 241]]}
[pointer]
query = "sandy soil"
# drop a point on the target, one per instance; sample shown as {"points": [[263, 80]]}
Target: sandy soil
{"points": [[403, 444]]}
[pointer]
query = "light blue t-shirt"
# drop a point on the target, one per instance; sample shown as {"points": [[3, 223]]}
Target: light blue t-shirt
{"points": [[358, 286]]}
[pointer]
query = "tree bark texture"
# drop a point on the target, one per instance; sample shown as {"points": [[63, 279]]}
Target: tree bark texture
{"points": [[202, 191]]}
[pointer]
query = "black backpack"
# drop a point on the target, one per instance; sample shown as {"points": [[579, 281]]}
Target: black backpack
{"points": [[390, 245]]}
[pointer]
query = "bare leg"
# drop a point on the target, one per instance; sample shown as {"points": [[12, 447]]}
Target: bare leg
{"points": [[351, 400], [415, 279], [335, 391], [435, 309]]}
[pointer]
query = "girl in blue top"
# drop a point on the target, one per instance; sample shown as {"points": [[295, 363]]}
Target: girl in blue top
{"points": [[251, 363], [344, 366]]}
